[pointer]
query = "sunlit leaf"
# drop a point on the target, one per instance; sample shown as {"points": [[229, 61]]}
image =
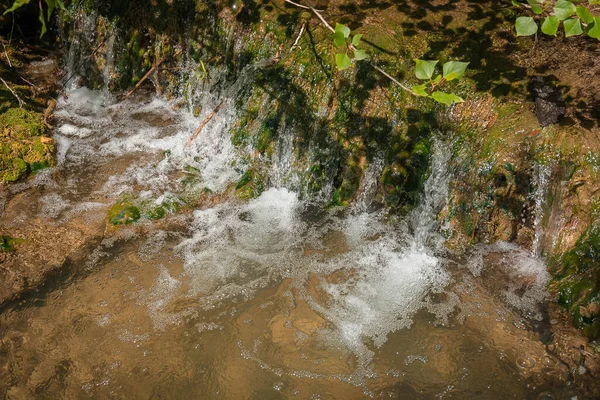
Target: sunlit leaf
{"points": [[356, 40], [343, 29], [563, 9], [342, 61], [339, 39], [525, 26], [595, 29], [573, 27], [585, 14], [359, 54], [425, 68], [420, 90], [446, 98], [535, 7], [550, 25], [454, 69], [16, 5]]}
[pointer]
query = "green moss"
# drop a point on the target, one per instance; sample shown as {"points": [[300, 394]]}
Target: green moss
{"points": [[123, 213], [249, 186], [578, 280], [21, 147], [7, 244], [21, 123], [13, 170], [156, 213]]}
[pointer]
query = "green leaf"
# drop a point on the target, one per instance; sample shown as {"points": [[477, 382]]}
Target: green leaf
{"points": [[359, 54], [342, 61], [16, 5], [51, 4], [525, 26], [356, 40], [437, 79], [446, 98], [343, 29], [516, 3], [572, 27], [594, 2], [339, 39], [454, 69], [550, 25], [535, 7], [43, 21], [594, 32], [585, 14], [420, 90], [563, 9], [425, 68]]}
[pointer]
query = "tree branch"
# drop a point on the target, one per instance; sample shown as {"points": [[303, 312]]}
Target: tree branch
{"points": [[206, 121], [13, 93], [378, 69]]}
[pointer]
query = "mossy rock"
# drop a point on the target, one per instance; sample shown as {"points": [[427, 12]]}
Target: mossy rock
{"points": [[123, 213], [21, 124], [578, 281], [22, 147]]}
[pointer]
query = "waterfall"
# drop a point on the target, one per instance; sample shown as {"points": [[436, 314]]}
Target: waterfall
{"points": [[541, 179], [435, 194]]}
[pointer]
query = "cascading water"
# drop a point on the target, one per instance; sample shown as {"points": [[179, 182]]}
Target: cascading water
{"points": [[542, 175], [273, 297]]}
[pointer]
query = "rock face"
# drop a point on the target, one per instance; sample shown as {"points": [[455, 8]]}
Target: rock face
{"points": [[549, 104]]}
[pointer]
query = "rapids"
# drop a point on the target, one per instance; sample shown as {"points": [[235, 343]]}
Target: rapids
{"points": [[276, 297]]}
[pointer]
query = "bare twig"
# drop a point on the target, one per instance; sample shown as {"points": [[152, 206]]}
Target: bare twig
{"points": [[154, 67], [297, 39], [13, 92], [300, 5], [6, 53], [381, 71], [206, 121]]}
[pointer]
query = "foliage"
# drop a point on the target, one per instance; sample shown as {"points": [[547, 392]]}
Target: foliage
{"points": [[577, 17], [452, 70], [44, 16], [341, 38]]}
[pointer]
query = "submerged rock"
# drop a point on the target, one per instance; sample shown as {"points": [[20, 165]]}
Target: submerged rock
{"points": [[123, 213], [549, 104]]}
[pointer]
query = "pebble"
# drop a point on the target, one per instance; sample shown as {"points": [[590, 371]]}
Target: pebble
{"points": [[553, 321]]}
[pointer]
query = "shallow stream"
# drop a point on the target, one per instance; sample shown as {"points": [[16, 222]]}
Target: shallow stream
{"points": [[277, 297]]}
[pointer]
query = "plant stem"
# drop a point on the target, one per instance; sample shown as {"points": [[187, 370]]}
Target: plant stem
{"points": [[378, 69]]}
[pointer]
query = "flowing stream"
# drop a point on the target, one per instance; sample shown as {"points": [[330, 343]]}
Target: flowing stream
{"points": [[277, 297]]}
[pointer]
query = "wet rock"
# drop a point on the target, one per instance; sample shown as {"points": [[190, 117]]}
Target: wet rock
{"points": [[549, 104], [123, 213]]}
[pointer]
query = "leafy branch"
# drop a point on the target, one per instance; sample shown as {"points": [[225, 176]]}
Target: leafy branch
{"points": [[351, 45], [452, 70], [576, 19]]}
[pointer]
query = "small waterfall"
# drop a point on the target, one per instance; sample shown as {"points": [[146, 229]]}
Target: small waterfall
{"points": [[435, 194], [367, 191], [541, 179], [109, 60]]}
